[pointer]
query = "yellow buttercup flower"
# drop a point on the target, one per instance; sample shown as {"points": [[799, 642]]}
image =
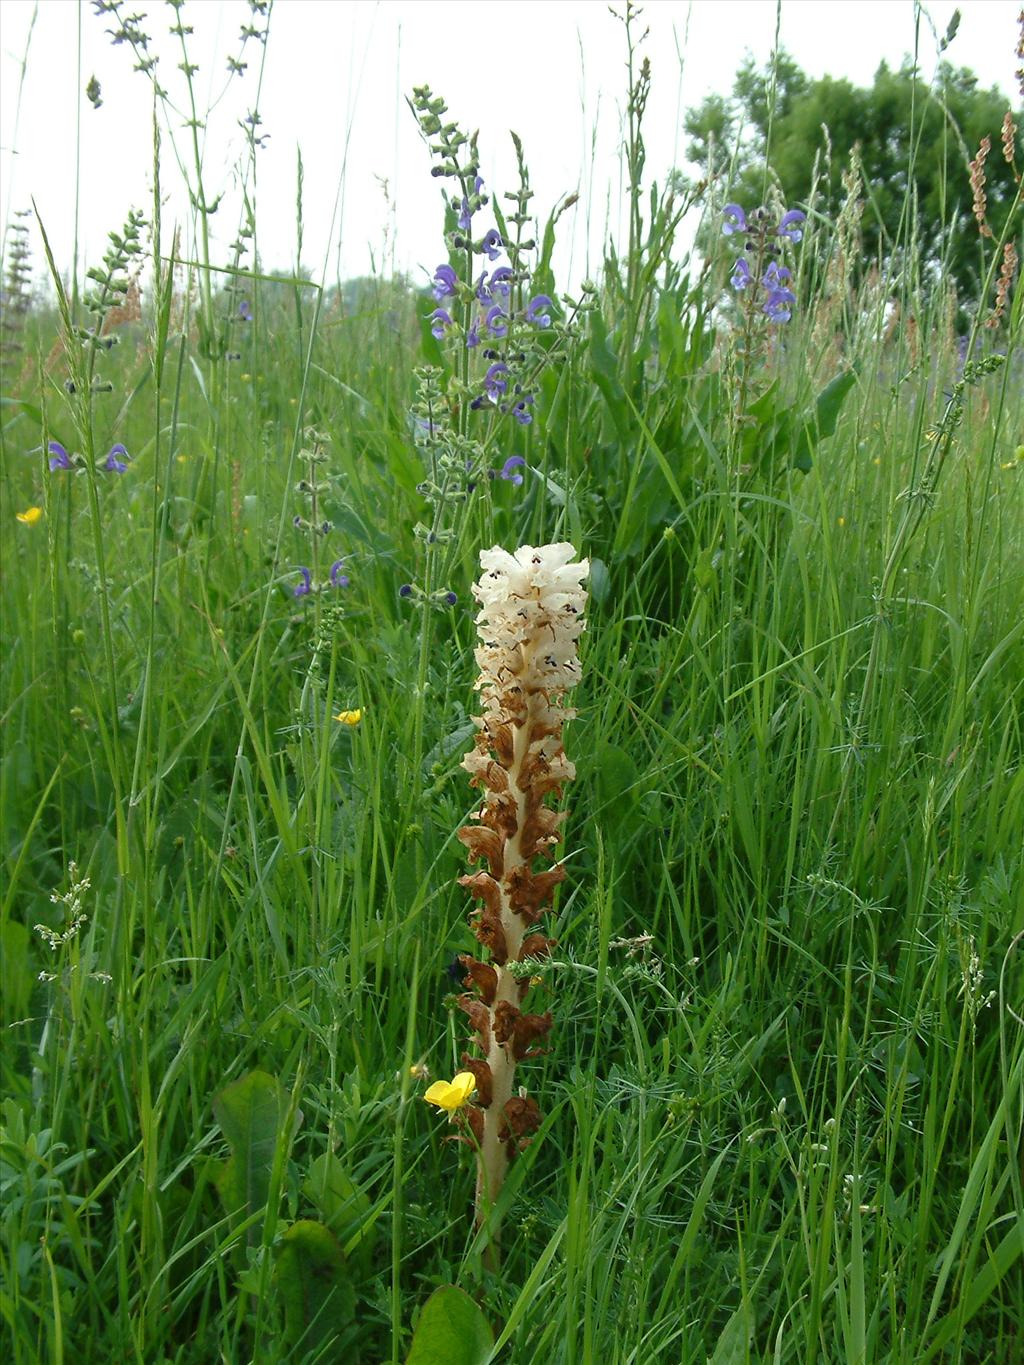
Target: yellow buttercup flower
{"points": [[350, 717], [452, 1095], [30, 516]]}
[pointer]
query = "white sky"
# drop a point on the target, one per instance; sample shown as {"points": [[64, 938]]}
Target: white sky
{"points": [[334, 83]]}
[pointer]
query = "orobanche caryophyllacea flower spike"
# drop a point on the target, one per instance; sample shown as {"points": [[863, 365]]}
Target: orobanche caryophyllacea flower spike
{"points": [[530, 619]]}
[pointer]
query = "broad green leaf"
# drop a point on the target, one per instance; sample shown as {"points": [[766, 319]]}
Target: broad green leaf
{"points": [[251, 1112], [451, 1331], [345, 1206], [319, 1300]]}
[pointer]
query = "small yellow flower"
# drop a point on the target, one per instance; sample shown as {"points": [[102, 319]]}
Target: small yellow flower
{"points": [[877, 460], [454, 1094], [840, 521], [30, 516], [350, 717]]}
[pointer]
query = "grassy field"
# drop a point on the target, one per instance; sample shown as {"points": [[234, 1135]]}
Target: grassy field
{"points": [[782, 1093]]}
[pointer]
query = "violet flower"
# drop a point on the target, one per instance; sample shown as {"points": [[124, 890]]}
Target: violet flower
{"points": [[465, 216], [472, 337], [501, 283], [779, 305], [245, 311], [338, 579], [405, 590], [740, 275], [508, 470], [494, 382], [788, 227], [492, 244], [735, 220], [521, 411], [536, 311], [440, 321], [113, 464], [59, 457], [776, 276], [445, 282], [304, 588], [497, 321]]}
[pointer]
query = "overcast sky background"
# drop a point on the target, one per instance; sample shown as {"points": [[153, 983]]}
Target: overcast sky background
{"points": [[334, 78]]}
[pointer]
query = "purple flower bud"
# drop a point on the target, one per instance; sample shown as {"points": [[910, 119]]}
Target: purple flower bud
{"points": [[535, 311], [245, 311], [113, 464], [59, 457], [450, 599], [492, 244], [788, 227], [445, 282], [508, 469], [740, 275], [497, 321], [440, 322], [338, 579], [405, 590], [298, 522], [521, 412], [779, 305], [306, 586], [735, 220]]}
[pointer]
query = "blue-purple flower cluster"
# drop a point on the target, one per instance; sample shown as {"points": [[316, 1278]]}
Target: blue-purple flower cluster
{"points": [[767, 277]]}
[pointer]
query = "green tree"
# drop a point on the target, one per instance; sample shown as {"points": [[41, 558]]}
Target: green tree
{"points": [[914, 140]]}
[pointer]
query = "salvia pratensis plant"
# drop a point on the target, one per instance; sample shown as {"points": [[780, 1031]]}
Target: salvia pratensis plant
{"points": [[530, 620]]}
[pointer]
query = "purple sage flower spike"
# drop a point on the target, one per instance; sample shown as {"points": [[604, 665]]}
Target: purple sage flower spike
{"points": [[113, 464], [445, 282], [508, 470], [59, 457], [492, 244], [497, 321], [304, 588], [338, 579], [245, 311], [735, 220], [789, 225], [440, 322], [740, 275]]}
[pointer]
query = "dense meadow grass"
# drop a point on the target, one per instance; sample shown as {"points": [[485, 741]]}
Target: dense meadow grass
{"points": [[782, 1095]]}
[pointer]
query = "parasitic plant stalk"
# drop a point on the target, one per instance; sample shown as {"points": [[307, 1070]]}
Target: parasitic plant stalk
{"points": [[530, 619]]}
